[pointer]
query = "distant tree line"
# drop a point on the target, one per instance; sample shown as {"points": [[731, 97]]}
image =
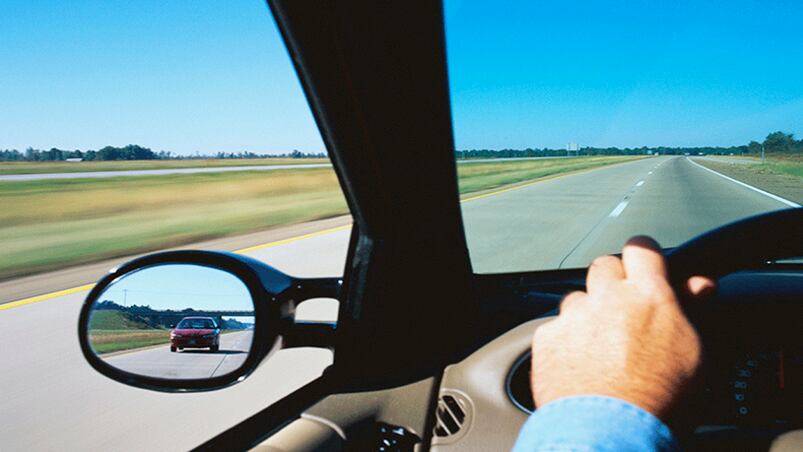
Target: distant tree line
{"points": [[251, 155], [133, 152], [129, 152], [775, 143], [163, 318]]}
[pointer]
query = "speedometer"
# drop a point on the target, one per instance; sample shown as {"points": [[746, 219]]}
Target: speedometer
{"points": [[767, 388]]}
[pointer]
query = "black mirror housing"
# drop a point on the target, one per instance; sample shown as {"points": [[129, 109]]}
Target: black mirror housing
{"points": [[274, 294]]}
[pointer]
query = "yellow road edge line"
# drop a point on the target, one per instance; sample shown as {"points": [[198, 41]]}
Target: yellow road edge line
{"points": [[293, 239], [505, 190], [46, 296], [87, 287]]}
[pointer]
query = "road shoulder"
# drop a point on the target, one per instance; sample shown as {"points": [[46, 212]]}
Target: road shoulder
{"points": [[782, 185]]}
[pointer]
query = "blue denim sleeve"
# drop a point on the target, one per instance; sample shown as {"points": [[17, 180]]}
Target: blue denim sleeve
{"points": [[593, 423]]}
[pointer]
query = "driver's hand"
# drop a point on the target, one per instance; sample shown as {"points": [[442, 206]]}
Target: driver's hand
{"points": [[626, 338]]}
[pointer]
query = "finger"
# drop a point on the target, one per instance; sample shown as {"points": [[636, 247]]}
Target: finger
{"points": [[603, 270], [700, 287], [643, 260], [570, 300]]}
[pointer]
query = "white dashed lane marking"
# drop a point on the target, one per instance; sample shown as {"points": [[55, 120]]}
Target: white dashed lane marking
{"points": [[618, 209]]}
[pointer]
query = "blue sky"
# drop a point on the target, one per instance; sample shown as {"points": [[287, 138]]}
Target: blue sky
{"points": [[181, 286], [182, 76], [624, 73], [208, 76]]}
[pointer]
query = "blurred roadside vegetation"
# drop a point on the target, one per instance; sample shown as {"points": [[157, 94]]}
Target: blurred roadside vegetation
{"points": [[54, 223], [475, 177]]}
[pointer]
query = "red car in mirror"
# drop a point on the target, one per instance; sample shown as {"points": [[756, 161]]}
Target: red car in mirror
{"points": [[195, 332]]}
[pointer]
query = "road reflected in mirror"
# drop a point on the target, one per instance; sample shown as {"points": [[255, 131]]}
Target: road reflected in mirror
{"points": [[174, 321]]}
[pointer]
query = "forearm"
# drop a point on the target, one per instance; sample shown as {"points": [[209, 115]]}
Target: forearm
{"points": [[593, 423]]}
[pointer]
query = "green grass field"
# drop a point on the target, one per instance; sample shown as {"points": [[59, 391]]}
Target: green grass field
{"points": [[108, 341], [50, 224], [109, 319], [78, 167], [789, 165], [113, 331], [475, 177]]}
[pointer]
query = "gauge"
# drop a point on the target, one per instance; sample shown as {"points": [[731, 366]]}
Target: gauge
{"points": [[519, 388], [767, 388]]}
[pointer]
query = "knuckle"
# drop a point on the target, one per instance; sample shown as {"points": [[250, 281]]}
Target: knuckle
{"points": [[569, 300], [604, 261], [543, 332], [657, 291]]}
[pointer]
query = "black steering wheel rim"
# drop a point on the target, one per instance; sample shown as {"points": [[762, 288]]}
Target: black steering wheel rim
{"points": [[742, 245]]}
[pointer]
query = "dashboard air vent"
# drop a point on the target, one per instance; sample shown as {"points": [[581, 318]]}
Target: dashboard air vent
{"points": [[450, 416]]}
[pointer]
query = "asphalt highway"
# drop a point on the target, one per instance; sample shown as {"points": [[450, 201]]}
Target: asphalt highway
{"points": [[568, 221], [52, 400], [188, 363]]}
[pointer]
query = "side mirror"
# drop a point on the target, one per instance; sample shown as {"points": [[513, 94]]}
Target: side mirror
{"points": [[155, 321]]}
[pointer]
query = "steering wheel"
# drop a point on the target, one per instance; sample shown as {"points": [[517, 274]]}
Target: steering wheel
{"points": [[738, 246], [744, 245]]}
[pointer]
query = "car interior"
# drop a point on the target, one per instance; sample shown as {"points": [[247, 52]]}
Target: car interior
{"points": [[429, 355]]}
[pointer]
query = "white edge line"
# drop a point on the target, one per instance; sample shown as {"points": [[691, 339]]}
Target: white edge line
{"points": [[640, 183], [757, 190], [618, 209]]}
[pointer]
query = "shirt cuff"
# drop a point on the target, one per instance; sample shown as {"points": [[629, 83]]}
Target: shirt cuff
{"points": [[593, 423]]}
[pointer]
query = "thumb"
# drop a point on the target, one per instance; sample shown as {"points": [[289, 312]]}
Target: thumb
{"points": [[700, 288]]}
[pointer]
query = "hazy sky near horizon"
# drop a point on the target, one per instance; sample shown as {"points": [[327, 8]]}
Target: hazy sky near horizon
{"points": [[208, 76]]}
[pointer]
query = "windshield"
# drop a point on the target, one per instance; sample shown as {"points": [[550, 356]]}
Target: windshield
{"points": [[580, 124], [195, 324]]}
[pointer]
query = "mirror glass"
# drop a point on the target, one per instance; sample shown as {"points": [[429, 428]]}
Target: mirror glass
{"points": [[175, 321]]}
